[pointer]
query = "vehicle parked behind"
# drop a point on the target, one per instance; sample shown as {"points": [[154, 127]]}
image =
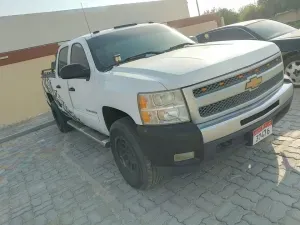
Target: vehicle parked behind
{"points": [[287, 38]]}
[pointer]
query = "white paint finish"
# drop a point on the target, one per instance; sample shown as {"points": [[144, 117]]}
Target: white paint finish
{"points": [[62, 92], [195, 64], [24, 31], [121, 93], [86, 92], [119, 87], [112, 89]]}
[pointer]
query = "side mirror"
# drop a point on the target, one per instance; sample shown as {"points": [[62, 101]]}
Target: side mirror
{"points": [[73, 71], [193, 38], [53, 64]]}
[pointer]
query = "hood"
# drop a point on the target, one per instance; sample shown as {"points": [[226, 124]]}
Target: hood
{"points": [[197, 63], [288, 42]]}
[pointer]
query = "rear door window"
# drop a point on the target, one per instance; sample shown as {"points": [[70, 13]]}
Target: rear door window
{"points": [[226, 35]]}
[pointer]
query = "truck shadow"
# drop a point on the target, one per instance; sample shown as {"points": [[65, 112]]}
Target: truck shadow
{"points": [[240, 179], [243, 176]]}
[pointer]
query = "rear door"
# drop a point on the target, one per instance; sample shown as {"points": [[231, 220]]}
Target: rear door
{"points": [[60, 86]]}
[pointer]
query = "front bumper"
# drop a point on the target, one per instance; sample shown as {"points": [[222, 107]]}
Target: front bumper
{"points": [[161, 143]]}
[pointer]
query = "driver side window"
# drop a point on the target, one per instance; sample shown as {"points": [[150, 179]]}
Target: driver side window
{"points": [[78, 55]]}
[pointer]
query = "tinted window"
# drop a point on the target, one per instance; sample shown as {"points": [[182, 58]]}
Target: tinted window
{"points": [[62, 58], [226, 35], [78, 55], [133, 41], [269, 29]]}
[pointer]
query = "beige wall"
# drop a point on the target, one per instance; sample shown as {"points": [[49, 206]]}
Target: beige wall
{"points": [[21, 93], [24, 31], [288, 16], [198, 28]]}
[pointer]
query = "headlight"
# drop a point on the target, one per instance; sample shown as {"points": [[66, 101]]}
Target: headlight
{"points": [[163, 107]]}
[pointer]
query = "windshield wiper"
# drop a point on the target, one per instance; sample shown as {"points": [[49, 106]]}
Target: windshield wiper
{"points": [[179, 46], [143, 55], [108, 68], [139, 56]]}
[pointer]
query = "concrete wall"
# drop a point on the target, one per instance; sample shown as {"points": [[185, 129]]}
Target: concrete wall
{"points": [[198, 24], [24, 31], [198, 28], [21, 94], [288, 17]]}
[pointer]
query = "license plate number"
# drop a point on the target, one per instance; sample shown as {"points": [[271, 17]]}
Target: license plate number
{"points": [[262, 132]]}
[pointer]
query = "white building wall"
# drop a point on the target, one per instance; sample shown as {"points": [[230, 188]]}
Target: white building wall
{"points": [[24, 31]]}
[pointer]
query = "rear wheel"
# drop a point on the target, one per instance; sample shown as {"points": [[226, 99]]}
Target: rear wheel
{"points": [[292, 69], [60, 119], [136, 169]]}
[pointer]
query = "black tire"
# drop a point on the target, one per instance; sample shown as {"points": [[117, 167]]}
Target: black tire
{"points": [[60, 118], [292, 67], [142, 175]]}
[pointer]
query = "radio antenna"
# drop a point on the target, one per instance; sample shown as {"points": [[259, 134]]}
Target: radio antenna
{"points": [[87, 23]]}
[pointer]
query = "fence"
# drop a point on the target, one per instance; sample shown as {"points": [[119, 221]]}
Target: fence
{"points": [[291, 17]]}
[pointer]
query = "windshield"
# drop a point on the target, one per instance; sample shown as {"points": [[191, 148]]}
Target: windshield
{"points": [[269, 29], [133, 41]]}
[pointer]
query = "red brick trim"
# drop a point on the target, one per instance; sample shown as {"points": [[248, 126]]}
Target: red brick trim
{"points": [[7, 58], [21, 55]]}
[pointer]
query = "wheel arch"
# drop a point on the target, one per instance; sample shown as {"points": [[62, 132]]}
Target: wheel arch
{"points": [[111, 114]]}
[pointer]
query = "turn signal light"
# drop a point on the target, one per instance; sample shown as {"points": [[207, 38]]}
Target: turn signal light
{"points": [[142, 102], [146, 117]]}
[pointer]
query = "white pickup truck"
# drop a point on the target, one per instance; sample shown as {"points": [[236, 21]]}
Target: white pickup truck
{"points": [[163, 102]]}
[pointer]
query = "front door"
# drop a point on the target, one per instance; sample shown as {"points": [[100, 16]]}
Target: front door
{"points": [[82, 91]]}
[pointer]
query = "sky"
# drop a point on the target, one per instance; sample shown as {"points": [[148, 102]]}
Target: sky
{"points": [[14, 7]]}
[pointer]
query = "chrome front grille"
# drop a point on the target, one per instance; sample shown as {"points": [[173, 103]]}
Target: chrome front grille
{"points": [[239, 99], [198, 92]]}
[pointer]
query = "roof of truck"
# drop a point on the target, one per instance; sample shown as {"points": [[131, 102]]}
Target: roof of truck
{"points": [[107, 31], [115, 29]]}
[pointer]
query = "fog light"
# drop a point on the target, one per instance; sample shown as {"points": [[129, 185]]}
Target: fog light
{"points": [[184, 156]]}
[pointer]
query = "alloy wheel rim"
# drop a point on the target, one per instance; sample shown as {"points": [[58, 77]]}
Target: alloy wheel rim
{"points": [[293, 71]]}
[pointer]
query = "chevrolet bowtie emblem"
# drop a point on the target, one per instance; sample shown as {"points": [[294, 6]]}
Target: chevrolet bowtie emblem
{"points": [[253, 83]]}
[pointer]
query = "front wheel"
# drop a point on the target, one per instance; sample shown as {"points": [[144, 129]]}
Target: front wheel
{"points": [[135, 168], [292, 69]]}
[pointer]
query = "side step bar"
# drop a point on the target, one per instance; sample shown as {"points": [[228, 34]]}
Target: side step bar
{"points": [[95, 135]]}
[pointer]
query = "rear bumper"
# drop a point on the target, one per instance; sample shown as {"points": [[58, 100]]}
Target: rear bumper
{"points": [[161, 143]]}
